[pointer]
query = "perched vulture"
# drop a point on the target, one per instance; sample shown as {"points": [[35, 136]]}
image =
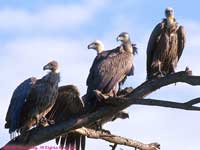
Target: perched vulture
{"points": [[109, 69], [68, 105], [165, 46], [101, 53], [32, 100]]}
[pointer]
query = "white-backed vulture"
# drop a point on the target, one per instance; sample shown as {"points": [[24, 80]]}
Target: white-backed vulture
{"points": [[165, 46], [32, 100]]}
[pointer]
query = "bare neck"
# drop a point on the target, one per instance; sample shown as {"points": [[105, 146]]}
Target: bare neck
{"points": [[127, 46]]}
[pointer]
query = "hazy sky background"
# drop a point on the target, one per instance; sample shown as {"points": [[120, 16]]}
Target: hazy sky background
{"points": [[36, 31]]}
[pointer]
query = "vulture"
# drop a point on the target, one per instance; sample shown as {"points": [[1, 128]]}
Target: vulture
{"points": [[165, 46], [98, 46], [32, 100], [68, 105], [109, 68]]}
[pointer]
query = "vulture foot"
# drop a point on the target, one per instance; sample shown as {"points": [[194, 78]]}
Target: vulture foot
{"points": [[160, 74], [51, 122], [99, 128], [125, 91], [43, 122], [100, 96]]}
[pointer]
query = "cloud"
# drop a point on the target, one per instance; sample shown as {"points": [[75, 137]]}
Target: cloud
{"points": [[24, 56], [50, 17]]}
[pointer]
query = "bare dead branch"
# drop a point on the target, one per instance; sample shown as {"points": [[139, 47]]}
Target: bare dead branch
{"points": [[148, 87], [90, 133], [40, 135]]}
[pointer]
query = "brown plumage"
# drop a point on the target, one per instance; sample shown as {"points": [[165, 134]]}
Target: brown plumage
{"points": [[68, 105], [32, 100], [109, 69], [165, 46]]}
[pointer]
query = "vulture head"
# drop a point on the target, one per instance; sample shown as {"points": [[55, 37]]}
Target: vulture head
{"points": [[169, 13], [52, 66], [96, 45], [123, 114], [123, 37]]}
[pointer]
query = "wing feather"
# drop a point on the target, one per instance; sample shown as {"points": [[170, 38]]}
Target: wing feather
{"points": [[17, 101], [152, 45], [181, 41], [109, 72], [68, 104]]}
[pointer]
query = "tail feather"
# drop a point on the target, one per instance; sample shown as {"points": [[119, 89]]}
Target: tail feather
{"points": [[57, 140], [78, 139], [71, 141], [62, 141], [13, 135], [83, 141]]}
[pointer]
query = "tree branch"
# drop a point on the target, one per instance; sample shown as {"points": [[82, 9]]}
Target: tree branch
{"points": [[148, 87], [154, 102], [90, 133], [40, 135]]}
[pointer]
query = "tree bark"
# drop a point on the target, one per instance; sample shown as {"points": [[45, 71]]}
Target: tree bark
{"points": [[40, 135], [90, 133]]}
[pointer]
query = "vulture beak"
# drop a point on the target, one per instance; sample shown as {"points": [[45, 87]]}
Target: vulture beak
{"points": [[91, 46], [127, 116], [123, 114], [119, 38], [47, 67], [169, 12]]}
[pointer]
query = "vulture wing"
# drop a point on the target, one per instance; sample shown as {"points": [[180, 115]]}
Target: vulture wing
{"points": [[18, 99], [39, 102], [109, 71], [68, 105], [97, 60], [152, 45], [181, 41]]}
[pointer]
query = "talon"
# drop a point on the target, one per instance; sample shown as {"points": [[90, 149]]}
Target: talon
{"points": [[100, 96], [43, 122], [51, 122]]}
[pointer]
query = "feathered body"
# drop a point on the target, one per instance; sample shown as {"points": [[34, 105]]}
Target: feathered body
{"points": [[40, 100], [68, 104], [17, 101], [103, 77], [165, 48], [109, 69], [32, 100]]}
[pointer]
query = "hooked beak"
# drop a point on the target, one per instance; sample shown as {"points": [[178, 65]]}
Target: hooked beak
{"points": [[127, 116], [47, 67], [124, 114], [119, 38], [91, 46]]}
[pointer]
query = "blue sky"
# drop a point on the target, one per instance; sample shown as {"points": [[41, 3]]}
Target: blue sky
{"points": [[34, 32]]}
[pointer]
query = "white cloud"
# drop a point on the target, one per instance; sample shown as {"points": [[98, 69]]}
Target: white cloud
{"points": [[52, 17], [23, 57]]}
